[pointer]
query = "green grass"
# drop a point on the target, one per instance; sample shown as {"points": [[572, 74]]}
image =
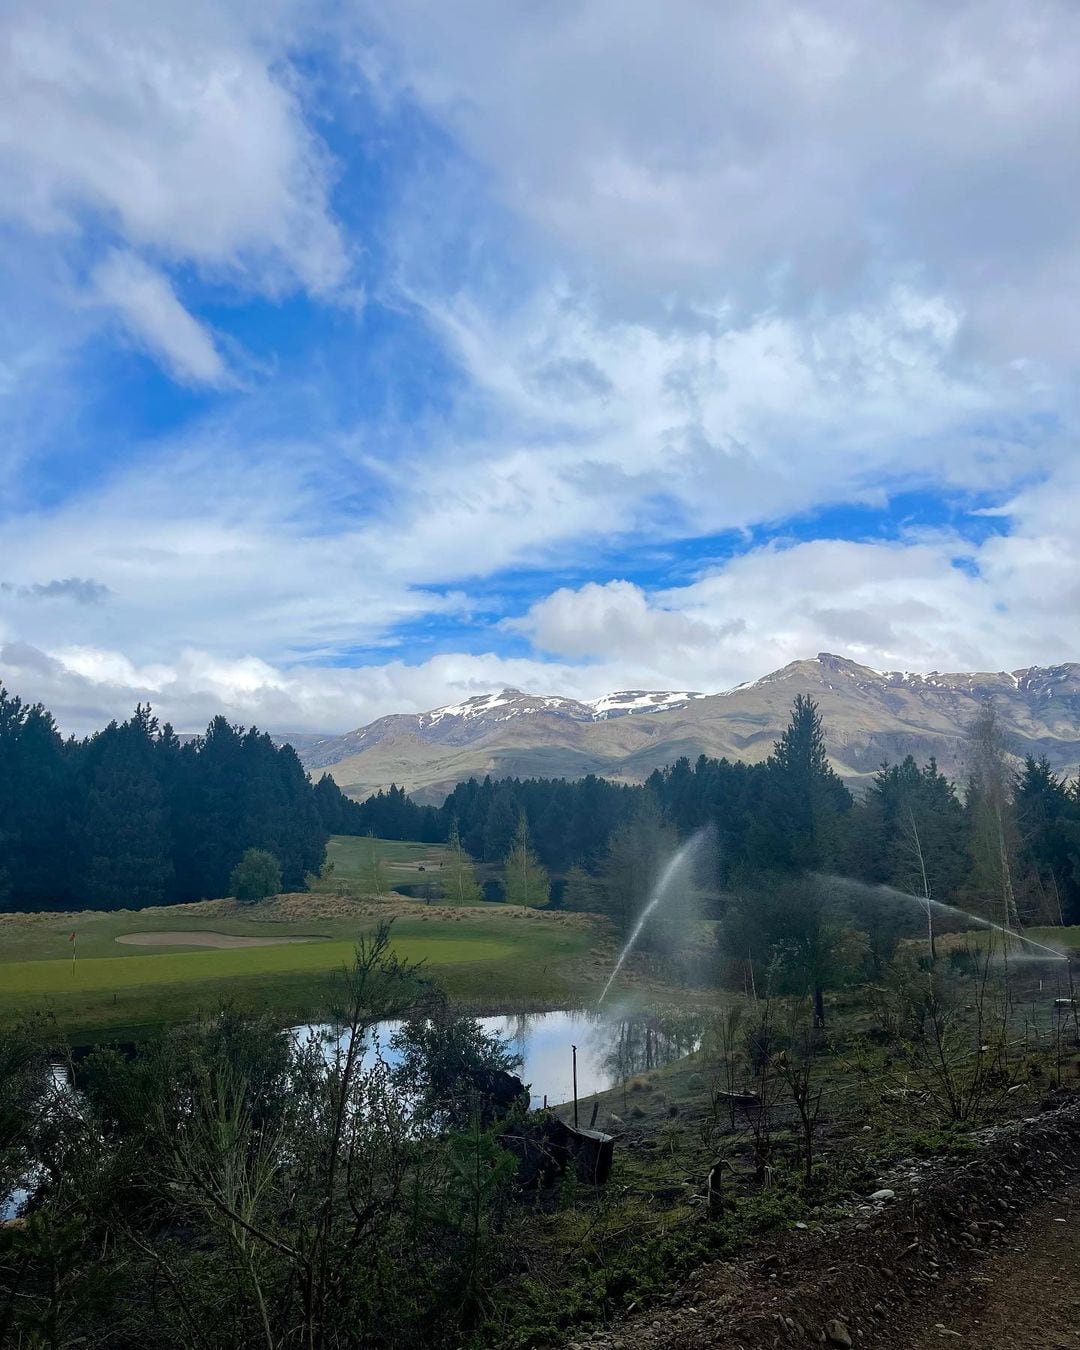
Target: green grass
{"points": [[1068, 939], [487, 957], [87, 975], [125, 996], [524, 967], [347, 861], [1062, 939]]}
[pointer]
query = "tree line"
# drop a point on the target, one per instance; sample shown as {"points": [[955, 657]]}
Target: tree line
{"points": [[132, 816], [1004, 838]]}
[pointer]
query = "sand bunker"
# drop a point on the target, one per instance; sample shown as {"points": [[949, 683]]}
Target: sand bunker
{"points": [[206, 939]]}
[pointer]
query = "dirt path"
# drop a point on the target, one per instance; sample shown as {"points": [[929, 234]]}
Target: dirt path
{"points": [[981, 1252], [1025, 1295]]}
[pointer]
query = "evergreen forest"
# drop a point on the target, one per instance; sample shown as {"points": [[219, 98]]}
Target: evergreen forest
{"points": [[133, 816]]}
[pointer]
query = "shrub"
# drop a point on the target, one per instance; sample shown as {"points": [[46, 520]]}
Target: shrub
{"points": [[256, 876]]}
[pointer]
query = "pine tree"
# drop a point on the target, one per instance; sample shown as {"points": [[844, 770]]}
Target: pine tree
{"points": [[38, 800], [580, 892], [799, 827], [215, 809], [126, 845], [500, 822], [636, 855], [1047, 818]]}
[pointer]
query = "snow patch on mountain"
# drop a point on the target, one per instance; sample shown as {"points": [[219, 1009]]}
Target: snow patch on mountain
{"points": [[509, 703], [640, 700]]}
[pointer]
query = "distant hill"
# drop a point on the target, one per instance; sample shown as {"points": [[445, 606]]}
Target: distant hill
{"points": [[869, 716]]}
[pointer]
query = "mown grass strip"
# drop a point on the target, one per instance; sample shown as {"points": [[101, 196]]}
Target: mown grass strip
{"points": [[105, 973]]}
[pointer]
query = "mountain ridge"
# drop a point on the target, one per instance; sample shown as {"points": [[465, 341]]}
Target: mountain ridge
{"points": [[869, 716]]}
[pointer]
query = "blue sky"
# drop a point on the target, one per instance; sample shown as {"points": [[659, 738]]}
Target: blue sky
{"points": [[359, 358]]}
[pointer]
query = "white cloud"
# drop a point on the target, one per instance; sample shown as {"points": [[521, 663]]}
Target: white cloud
{"points": [[173, 125], [231, 541], [594, 428], [900, 604], [148, 305], [925, 602], [768, 259], [177, 129], [769, 153], [85, 687]]}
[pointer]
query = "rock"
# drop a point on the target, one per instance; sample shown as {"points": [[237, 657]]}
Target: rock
{"points": [[879, 1197], [837, 1334]]}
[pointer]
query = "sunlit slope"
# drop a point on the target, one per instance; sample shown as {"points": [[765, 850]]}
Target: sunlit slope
{"points": [[868, 717]]}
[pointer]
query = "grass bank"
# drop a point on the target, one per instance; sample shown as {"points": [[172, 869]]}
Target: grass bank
{"points": [[348, 864], [489, 957]]}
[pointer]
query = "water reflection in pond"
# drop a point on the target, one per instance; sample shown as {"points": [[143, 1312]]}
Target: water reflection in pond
{"points": [[11, 1204], [612, 1046]]}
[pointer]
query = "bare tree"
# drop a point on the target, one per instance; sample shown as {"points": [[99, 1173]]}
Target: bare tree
{"points": [[798, 1069], [990, 784], [727, 1034], [948, 1044], [914, 842]]}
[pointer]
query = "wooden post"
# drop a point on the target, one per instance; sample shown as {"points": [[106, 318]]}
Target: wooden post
{"points": [[574, 1049]]}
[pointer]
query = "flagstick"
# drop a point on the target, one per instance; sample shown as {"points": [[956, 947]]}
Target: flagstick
{"points": [[74, 949]]}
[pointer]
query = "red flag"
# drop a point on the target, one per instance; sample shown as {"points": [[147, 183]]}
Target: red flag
{"points": [[71, 938]]}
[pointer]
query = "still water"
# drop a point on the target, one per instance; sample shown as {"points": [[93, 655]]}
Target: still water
{"points": [[611, 1047]]}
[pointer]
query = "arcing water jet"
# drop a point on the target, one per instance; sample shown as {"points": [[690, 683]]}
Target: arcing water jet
{"points": [[678, 863], [846, 883]]}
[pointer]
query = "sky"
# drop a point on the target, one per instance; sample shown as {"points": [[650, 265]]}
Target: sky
{"points": [[357, 358]]}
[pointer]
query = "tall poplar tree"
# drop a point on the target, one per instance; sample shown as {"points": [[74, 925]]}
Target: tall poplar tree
{"points": [[993, 833], [459, 882], [525, 877]]}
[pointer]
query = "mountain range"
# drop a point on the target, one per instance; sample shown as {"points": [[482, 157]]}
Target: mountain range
{"points": [[869, 716]]}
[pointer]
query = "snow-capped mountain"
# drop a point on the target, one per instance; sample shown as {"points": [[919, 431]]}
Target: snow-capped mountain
{"points": [[869, 716], [475, 718]]}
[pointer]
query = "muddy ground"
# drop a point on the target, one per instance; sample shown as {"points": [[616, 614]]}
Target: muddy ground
{"points": [[969, 1252]]}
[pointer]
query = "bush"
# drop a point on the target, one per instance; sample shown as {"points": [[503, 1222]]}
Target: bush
{"points": [[255, 876], [963, 961]]}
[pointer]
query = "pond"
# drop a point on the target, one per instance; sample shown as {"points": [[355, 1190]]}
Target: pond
{"points": [[610, 1047], [11, 1204]]}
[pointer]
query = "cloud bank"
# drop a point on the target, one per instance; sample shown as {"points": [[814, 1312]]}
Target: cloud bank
{"points": [[695, 341]]}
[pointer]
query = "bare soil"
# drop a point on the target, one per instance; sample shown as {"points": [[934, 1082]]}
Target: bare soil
{"points": [[970, 1252], [1024, 1295], [207, 939]]}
